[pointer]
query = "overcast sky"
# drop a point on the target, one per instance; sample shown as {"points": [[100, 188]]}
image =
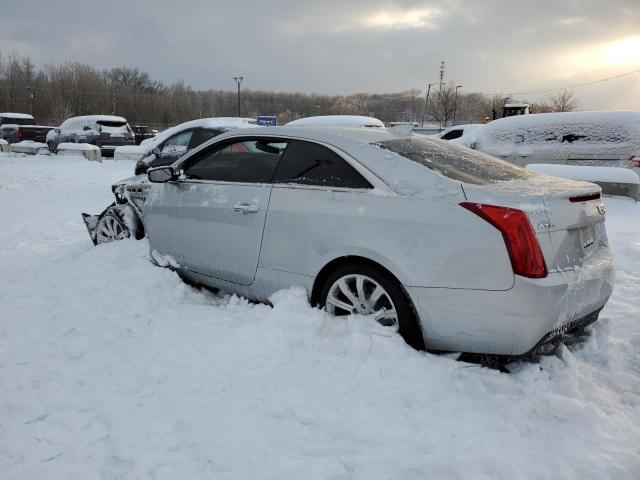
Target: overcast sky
{"points": [[342, 47]]}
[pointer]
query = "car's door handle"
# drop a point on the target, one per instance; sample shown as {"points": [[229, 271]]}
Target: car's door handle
{"points": [[245, 208]]}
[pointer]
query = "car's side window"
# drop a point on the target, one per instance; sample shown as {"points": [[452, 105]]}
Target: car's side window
{"points": [[452, 134], [309, 163], [246, 161], [179, 139], [201, 135]]}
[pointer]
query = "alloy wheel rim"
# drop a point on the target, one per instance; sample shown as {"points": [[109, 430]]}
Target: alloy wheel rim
{"points": [[108, 230], [360, 294]]}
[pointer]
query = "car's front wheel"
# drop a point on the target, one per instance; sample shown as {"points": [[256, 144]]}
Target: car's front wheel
{"points": [[366, 290], [114, 225]]}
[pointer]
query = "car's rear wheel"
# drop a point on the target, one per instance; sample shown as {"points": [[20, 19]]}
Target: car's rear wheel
{"points": [[366, 290], [114, 225]]}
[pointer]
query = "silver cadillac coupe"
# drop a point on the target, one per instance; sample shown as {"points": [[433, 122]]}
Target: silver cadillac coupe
{"points": [[457, 250]]}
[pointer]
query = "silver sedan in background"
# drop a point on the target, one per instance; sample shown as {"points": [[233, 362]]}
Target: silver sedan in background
{"points": [[457, 250]]}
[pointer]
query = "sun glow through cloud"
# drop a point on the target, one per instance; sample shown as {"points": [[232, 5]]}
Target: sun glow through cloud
{"points": [[401, 19], [621, 52]]}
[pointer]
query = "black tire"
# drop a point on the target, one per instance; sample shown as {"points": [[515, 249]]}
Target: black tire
{"points": [[52, 149], [408, 324], [122, 219]]}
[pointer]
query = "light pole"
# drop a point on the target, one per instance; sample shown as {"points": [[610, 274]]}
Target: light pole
{"points": [[455, 104], [31, 95], [238, 81], [426, 102]]}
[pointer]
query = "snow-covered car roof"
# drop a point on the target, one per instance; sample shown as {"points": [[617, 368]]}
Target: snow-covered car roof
{"points": [[24, 116], [92, 119], [337, 121], [212, 122], [597, 122]]}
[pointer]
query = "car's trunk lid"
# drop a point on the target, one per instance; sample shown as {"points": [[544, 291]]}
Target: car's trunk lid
{"points": [[567, 216]]}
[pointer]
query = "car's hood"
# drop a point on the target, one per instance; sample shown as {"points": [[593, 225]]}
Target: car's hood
{"points": [[129, 181]]}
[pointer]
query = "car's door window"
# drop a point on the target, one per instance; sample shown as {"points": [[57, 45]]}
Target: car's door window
{"points": [[452, 134], [246, 161], [201, 135], [309, 163], [179, 139]]}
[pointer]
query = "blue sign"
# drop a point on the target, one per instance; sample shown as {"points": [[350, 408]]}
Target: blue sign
{"points": [[266, 121]]}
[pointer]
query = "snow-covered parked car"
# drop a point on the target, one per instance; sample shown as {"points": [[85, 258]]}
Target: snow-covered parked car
{"points": [[104, 131], [455, 249], [169, 145], [337, 121], [19, 127], [604, 139], [456, 131]]}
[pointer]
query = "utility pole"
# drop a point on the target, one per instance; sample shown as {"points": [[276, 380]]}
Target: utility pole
{"points": [[426, 102], [238, 80], [200, 105], [441, 75], [455, 104]]}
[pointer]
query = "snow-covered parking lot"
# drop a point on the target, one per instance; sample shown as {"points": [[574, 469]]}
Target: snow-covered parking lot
{"points": [[113, 368]]}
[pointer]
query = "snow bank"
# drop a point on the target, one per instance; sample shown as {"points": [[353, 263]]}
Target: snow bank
{"points": [[337, 121], [88, 151], [587, 173], [30, 147], [113, 368], [4, 145]]}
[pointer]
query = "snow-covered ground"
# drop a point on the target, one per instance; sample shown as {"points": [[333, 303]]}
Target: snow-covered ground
{"points": [[112, 368]]}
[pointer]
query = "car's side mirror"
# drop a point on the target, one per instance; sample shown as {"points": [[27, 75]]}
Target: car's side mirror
{"points": [[161, 174], [156, 151], [57, 130]]}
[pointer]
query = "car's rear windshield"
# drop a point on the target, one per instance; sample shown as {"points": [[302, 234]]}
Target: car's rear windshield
{"points": [[455, 161], [17, 121], [111, 126]]}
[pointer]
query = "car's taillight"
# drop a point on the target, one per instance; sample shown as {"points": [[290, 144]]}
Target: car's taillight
{"points": [[635, 160], [20, 134], [519, 237]]}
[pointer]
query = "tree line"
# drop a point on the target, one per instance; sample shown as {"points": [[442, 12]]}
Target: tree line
{"points": [[58, 91]]}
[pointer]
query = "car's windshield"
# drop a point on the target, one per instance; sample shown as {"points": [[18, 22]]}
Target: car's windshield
{"points": [[455, 161], [109, 126]]}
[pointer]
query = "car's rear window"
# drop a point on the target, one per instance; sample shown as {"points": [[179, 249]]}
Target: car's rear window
{"points": [[454, 161], [110, 126]]}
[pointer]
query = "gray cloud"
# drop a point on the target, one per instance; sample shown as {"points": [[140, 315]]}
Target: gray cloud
{"points": [[337, 47]]}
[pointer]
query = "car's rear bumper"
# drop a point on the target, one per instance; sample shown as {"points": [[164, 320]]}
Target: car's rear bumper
{"points": [[515, 321]]}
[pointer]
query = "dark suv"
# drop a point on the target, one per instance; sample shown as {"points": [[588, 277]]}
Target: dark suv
{"points": [[141, 132], [104, 131]]}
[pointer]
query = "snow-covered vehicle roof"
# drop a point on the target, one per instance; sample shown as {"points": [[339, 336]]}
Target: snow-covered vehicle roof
{"points": [[140, 152], [212, 122], [594, 127], [337, 121], [93, 119], [24, 116]]}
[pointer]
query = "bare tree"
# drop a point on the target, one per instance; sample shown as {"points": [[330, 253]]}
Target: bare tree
{"points": [[564, 101]]}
